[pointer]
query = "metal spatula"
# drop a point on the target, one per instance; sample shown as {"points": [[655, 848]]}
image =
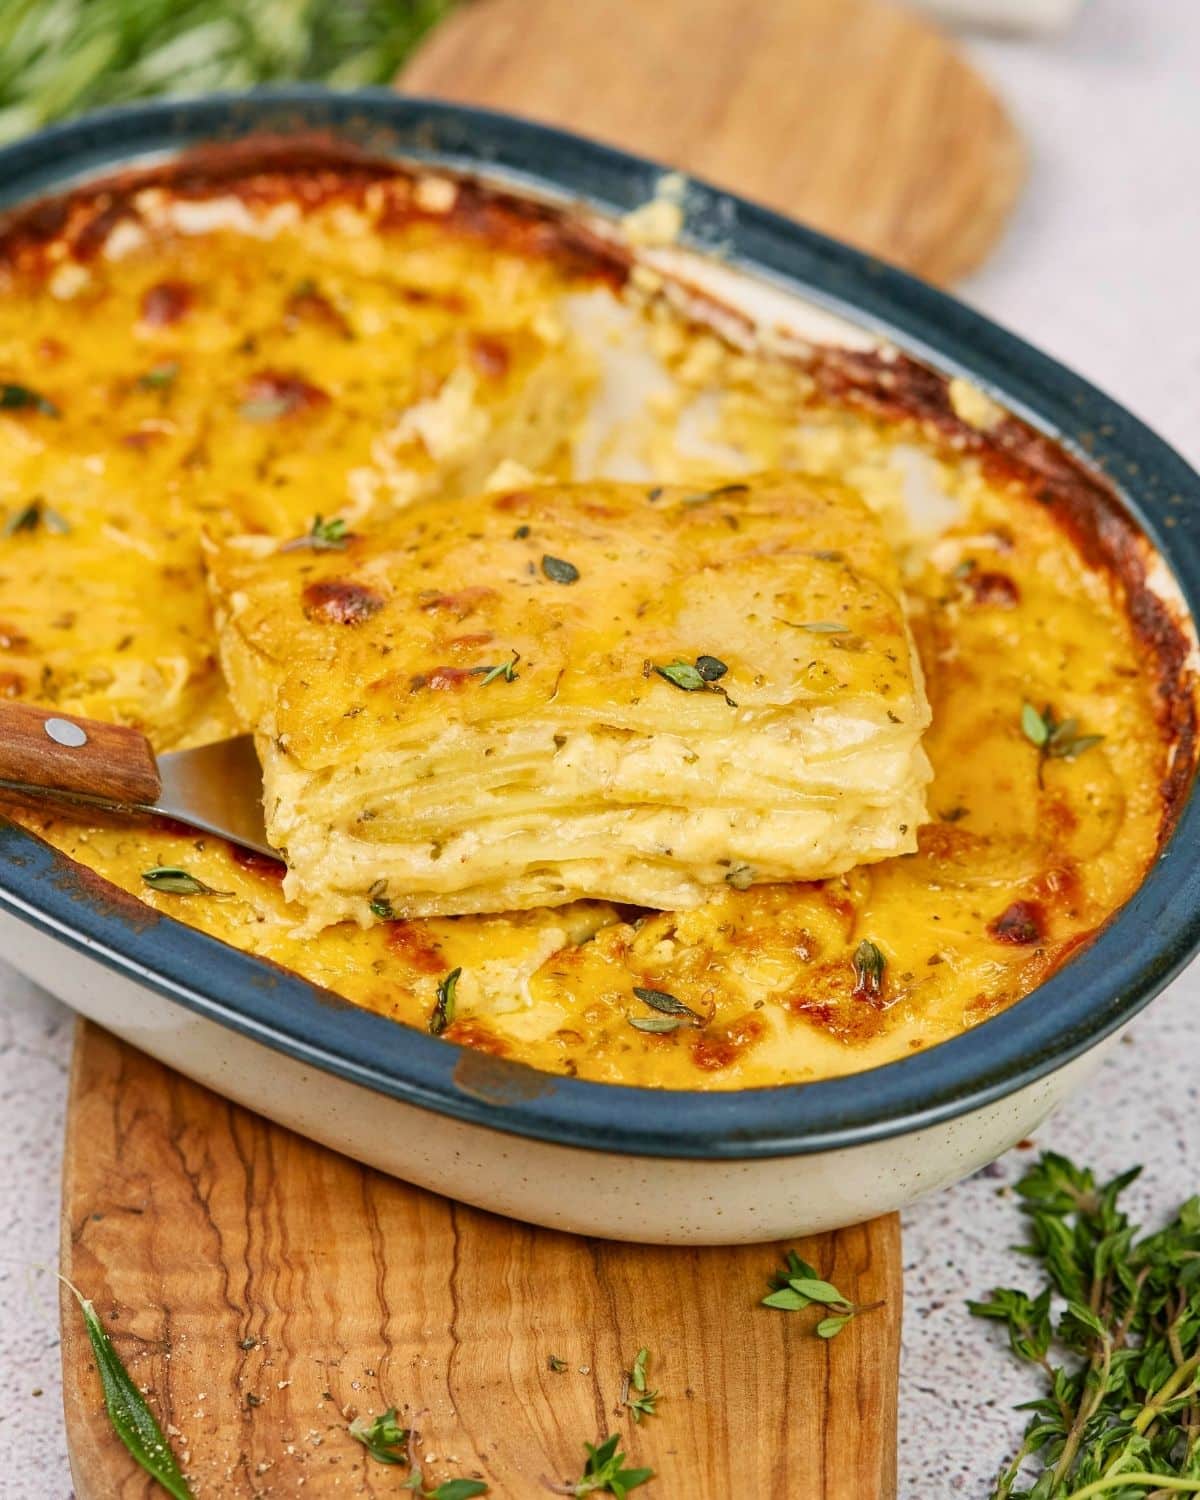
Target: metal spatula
{"points": [[52, 757]]}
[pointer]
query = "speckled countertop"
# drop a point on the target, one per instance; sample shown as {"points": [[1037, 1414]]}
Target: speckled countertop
{"points": [[1100, 269]]}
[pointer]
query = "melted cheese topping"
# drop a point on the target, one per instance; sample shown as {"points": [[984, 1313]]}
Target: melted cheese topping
{"points": [[243, 376], [458, 710]]}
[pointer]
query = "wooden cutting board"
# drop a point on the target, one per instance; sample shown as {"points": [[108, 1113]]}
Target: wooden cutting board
{"points": [[857, 116], [266, 1290]]}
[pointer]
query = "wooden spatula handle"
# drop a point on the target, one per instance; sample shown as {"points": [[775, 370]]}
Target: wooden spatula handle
{"points": [[48, 754]]}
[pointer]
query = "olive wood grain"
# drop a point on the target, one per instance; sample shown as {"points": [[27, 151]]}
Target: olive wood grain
{"points": [[265, 1291], [857, 116], [113, 764]]}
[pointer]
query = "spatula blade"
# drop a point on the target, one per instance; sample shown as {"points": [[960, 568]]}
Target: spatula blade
{"points": [[217, 788]]}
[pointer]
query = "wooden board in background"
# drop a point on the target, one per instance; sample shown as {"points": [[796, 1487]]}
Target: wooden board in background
{"points": [[857, 116], [196, 1227]]}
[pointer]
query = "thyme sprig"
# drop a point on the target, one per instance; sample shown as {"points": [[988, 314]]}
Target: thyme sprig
{"points": [[383, 1437], [1055, 739], [132, 1420], [1120, 1416], [798, 1285], [604, 1471], [635, 1392], [322, 536], [702, 676]]}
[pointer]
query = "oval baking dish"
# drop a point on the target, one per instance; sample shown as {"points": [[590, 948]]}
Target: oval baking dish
{"points": [[605, 1159]]}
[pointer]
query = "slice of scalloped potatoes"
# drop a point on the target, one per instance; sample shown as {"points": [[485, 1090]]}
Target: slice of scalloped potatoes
{"points": [[594, 690]]}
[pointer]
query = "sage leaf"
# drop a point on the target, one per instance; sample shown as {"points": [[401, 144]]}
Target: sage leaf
{"points": [[131, 1417]]}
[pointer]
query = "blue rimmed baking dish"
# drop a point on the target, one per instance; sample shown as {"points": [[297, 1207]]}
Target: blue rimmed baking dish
{"points": [[627, 1162]]}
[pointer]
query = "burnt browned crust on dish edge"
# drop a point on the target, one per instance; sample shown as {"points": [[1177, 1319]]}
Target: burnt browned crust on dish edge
{"points": [[314, 170]]}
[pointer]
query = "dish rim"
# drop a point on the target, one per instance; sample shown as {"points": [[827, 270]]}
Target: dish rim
{"points": [[1147, 942]]}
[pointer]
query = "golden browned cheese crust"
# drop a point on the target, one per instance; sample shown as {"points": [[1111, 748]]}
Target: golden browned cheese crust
{"points": [[247, 349]]}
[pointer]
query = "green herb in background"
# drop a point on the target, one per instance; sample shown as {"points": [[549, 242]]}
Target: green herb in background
{"points": [[132, 1420], [58, 57], [1115, 1331]]}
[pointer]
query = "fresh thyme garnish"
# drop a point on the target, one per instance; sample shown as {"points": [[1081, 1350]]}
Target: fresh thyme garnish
{"points": [[1121, 1413], [505, 669], [1055, 739], [15, 397], [443, 1009], [177, 882], [131, 1418], [635, 1394], [741, 877], [954, 814], [34, 515], [159, 377], [798, 1286], [605, 1470], [671, 1010], [381, 905], [558, 571], [389, 1443], [266, 408], [818, 627], [559, 1366], [321, 536], [521, 533], [449, 1489], [869, 964], [383, 1437], [702, 497], [702, 676]]}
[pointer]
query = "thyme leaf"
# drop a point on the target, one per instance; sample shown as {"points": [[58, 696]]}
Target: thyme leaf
{"points": [[869, 965], [159, 377], [14, 397], [741, 877], [321, 536], [1121, 1310], [695, 677], [553, 1362], [819, 627], [380, 902], [443, 1009], [178, 882], [667, 1004], [34, 515], [449, 1489], [383, 1437], [131, 1417], [505, 669], [558, 571], [658, 1025]]}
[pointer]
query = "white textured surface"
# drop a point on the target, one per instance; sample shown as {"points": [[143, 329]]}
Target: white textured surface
{"points": [[1099, 269]]}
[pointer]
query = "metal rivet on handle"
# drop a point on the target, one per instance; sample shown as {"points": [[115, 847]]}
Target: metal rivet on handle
{"points": [[63, 732]]}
